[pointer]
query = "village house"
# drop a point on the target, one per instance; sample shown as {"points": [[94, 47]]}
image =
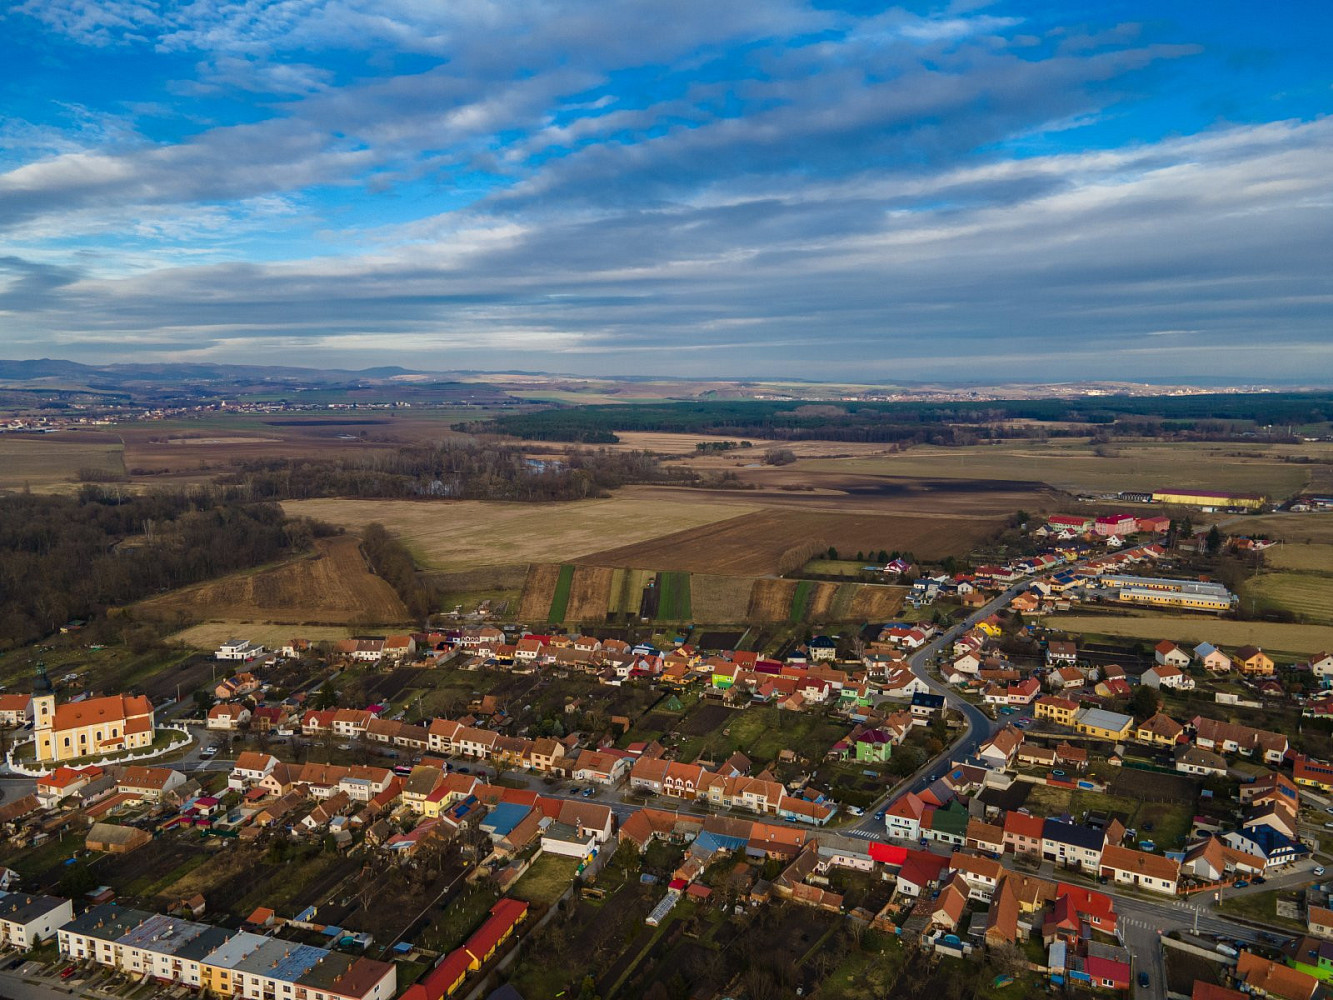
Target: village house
{"points": [[15, 709], [1167, 654], [1059, 710], [1212, 659], [1167, 676], [1254, 662], [228, 716]]}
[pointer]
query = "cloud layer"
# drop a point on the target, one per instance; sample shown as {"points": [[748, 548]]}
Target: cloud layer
{"points": [[744, 188]]}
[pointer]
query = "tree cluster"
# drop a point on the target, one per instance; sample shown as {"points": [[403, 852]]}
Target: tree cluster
{"points": [[66, 557], [460, 470]]}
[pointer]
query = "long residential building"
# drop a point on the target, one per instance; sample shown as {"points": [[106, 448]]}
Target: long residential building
{"points": [[228, 963]]}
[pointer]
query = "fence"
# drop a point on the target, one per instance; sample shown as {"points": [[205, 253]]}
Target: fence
{"points": [[38, 771]]}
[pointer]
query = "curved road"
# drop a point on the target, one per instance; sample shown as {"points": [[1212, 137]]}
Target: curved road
{"points": [[979, 726]]}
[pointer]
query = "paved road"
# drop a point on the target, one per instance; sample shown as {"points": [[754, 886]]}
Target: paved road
{"points": [[979, 726]]}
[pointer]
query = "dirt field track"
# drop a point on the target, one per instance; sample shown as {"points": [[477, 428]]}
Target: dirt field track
{"points": [[331, 586], [753, 544]]}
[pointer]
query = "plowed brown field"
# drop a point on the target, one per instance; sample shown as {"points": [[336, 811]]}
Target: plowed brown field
{"points": [[720, 599], [589, 593], [753, 544], [537, 590], [820, 607], [770, 600], [871, 603], [330, 586]]}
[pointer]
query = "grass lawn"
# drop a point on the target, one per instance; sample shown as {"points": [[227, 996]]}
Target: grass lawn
{"points": [[1170, 820], [761, 733], [1258, 906], [461, 916], [547, 879]]}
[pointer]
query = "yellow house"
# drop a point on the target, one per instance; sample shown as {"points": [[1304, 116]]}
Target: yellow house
{"points": [[1102, 724], [1061, 711], [990, 628], [1160, 730], [1254, 662], [95, 726]]}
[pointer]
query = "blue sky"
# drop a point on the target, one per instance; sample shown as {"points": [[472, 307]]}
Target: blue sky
{"points": [[968, 191]]}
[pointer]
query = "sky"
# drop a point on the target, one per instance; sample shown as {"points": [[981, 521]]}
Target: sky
{"points": [[702, 188]]}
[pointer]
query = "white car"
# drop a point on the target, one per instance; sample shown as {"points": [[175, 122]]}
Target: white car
{"points": [[208, 751]]}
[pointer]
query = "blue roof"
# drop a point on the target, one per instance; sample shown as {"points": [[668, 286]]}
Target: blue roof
{"points": [[709, 841], [504, 817]]}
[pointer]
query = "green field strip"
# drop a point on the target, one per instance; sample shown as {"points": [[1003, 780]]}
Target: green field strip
{"points": [[560, 599], [800, 601], [674, 601]]}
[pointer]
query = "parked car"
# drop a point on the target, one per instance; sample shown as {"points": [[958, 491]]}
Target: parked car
{"points": [[66, 972], [1318, 871], [344, 746], [588, 792], [1241, 883], [1143, 980], [1258, 880]]}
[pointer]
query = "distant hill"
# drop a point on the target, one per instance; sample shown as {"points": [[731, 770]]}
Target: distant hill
{"points": [[48, 368]]}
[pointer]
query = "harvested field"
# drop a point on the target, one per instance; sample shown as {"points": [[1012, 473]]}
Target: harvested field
{"points": [[1307, 595], [873, 603], [755, 544], [1305, 529], [560, 595], [771, 600], [538, 589], [48, 463], [466, 534], [589, 594], [1315, 557], [1073, 464], [332, 585], [1297, 640], [720, 598]]}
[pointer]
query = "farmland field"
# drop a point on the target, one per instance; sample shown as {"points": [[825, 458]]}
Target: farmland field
{"points": [[589, 594], [873, 603], [51, 462], [560, 595], [755, 544], [1307, 595], [466, 534], [1073, 465], [1316, 557], [771, 600], [330, 586], [674, 601], [1296, 640], [627, 589], [538, 590], [720, 598], [1294, 529]]}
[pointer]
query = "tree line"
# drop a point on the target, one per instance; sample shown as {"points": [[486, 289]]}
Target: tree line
{"points": [[458, 470], [1269, 416]]}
